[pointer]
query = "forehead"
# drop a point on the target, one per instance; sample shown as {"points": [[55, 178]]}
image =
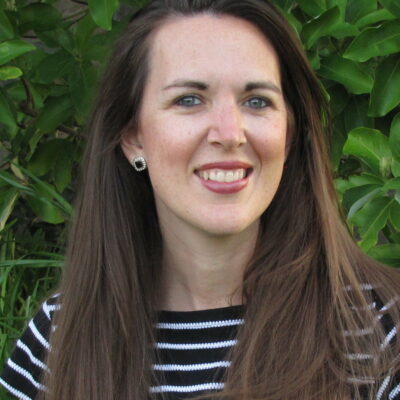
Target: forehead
{"points": [[209, 45]]}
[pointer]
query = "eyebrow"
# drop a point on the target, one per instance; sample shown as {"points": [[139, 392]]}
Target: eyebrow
{"points": [[187, 84], [268, 85], [262, 85]]}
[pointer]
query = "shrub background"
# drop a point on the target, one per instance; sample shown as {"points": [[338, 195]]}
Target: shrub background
{"points": [[51, 56]]}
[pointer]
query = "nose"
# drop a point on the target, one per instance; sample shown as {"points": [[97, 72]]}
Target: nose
{"points": [[227, 127]]}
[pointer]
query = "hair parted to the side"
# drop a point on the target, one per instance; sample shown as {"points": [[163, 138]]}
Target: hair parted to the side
{"points": [[302, 289]]}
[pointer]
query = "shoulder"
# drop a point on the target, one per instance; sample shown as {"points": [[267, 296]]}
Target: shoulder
{"points": [[377, 334], [23, 371], [388, 316]]}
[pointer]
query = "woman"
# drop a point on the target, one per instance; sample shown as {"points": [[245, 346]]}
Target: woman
{"points": [[208, 255]]}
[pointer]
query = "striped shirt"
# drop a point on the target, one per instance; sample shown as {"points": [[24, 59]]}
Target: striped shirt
{"points": [[192, 353]]}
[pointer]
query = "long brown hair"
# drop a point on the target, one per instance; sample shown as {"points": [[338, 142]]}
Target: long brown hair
{"points": [[303, 287]]}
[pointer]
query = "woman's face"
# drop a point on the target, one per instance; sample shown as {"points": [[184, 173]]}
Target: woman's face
{"points": [[212, 125]]}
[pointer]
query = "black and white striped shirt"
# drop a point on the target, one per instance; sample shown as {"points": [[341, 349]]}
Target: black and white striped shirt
{"points": [[192, 348]]}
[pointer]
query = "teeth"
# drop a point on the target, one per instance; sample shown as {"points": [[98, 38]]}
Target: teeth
{"points": [[223, 175], [229, 176]]}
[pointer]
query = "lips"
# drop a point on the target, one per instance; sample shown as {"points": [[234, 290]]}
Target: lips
{"points": [[224, 177]]}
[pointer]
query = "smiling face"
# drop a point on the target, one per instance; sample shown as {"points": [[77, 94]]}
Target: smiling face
{"points": [[212, 124]]}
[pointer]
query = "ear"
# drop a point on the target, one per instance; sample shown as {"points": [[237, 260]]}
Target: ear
{"points": [[131, 145]]}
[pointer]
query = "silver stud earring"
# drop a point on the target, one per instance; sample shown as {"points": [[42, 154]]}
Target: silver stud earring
{"points": [[139, 163]]}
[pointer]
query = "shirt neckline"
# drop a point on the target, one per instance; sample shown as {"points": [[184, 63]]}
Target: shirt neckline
{"points": [[212, 314]]}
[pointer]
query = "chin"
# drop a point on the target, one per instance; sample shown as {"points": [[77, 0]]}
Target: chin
{"points": [[228, 228]]}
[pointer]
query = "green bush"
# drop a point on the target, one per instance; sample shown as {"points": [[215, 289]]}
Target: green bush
{"points": [[51, 56]]}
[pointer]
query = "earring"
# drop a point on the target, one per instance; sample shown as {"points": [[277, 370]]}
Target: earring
{"points": [[139, 163]]}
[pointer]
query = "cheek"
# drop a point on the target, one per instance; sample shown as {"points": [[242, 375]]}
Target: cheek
{"points": [[170, 141], [168, 152], [270, 140]]}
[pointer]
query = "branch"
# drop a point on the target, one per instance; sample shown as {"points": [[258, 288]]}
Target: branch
{"points": [[24, 106], [29, 97], [80, 2], [79, 14], [77, 20], [70, 131]]}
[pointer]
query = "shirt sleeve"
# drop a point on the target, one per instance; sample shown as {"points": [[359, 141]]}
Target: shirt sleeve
{"points": [[389, 388], [23, 371]]}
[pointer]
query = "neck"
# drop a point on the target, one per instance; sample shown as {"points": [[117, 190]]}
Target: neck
{"points": [[204, 271]]}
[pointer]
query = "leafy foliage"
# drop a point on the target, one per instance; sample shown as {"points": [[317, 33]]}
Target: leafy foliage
{"points": [[51, 56]]}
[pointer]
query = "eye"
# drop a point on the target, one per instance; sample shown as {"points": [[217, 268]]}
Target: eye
{"points": [[257, 102], [188, 101]]}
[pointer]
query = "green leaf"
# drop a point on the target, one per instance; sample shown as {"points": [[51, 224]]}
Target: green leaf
{"points": [[49, 192], [344, 30], [7, 113], [45, 156], [395, 215], [42, 197], [63, 169], [356, 197], [365, 179], [394, 138], [34, 140], [11, 49], [392, 5], [392, 184], [55, 112], [375, 41], [12, 181], [369, 146], [293, 21], [396, 167], [355, 114], [102, 12], [342, 4], [82, 81], [320, 26], [284, 4], [385, 95], [45, 210], [56, 155], [83, 31], [356, 9], [341, 185], [374, 17], [58, 38], [38, 17], [371, 219], [53, 256], [339, 98], [6, 29], [7, 202], [29, 61], [339, 138], [313, 7], [9, 73], [56, 65], [352, 75], [387, 253], [32, 263]]}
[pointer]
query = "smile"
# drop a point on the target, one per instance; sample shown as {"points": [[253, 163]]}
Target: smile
{"points": [[222, 175], [225, 177]]}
